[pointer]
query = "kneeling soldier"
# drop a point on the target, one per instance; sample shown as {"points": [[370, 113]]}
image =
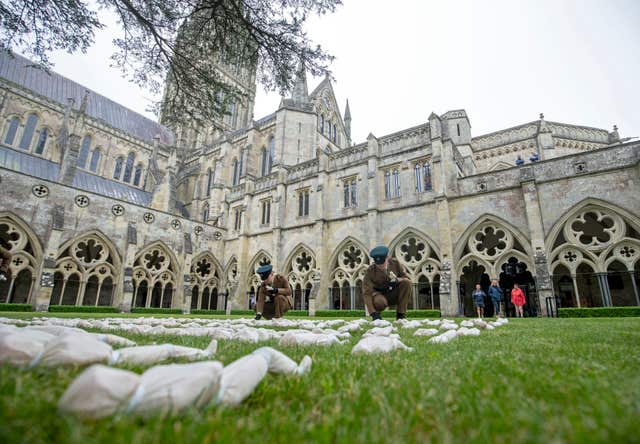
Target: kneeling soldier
{"points": [[274, 295], [386, 282]]}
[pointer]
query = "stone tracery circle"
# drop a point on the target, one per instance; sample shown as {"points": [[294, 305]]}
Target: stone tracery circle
{"points": [[490, 240], [594, 229], [89, 251], [13, 235]]}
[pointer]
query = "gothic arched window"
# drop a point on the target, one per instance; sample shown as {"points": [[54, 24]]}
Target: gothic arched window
{"points": [[417, 170], [27, 134], [12, 129], [205, 213], [117, 171], [264, 162], [387, 185], [236, 175], [137, 175], [209, 181], [426, 176], [95, 160], [84, 151], [272, 152], [396, 183], [128, 168], [42, 141]]}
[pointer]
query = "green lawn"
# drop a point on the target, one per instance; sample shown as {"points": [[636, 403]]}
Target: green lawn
{"points": [[534, 380]]}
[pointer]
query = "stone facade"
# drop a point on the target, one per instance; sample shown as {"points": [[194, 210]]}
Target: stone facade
{"points": [[291, 189]]}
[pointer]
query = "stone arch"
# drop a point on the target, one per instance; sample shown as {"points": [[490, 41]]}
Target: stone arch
{"points": [[88, 271], [260, 258], [300, 269], [557, 227], [517, 240], [420, 256], [26, 259], [349, 262], [432, 250], [594, 248], [231, 273], [156, 273], [206, 274]]}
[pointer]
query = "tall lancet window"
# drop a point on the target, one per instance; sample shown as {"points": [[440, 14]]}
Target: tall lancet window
{"points": [[84, 151]]}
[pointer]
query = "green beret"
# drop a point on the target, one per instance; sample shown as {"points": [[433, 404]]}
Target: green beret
{"points": [[379, 254], [264, 271]]}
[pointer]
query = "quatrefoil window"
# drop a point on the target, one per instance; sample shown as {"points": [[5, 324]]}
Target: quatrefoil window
{"points": [[203, 268], [593, 229], [352, 257], [264, 260], [9, 235], [154, 260], [491, 241], [412, 250], [303, 262], [627, 251], [89, 251]]}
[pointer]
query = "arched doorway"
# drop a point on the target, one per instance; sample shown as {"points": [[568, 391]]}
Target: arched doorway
{"points": [[472, 274], [154, 277], [621, 285], [563, 287], [515, 271], [16, 237]]}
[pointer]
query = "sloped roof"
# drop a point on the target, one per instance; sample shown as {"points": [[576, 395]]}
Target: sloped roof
{"points": [[45, 169], [58, 88]]}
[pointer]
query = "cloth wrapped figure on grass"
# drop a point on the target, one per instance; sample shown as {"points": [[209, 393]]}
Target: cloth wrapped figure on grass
{"points": [[39, 348], [151, 354], [379, 344], [173, 389]]}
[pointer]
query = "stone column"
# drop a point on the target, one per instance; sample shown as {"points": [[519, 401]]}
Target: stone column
{"points": [[544, 286], [449, 301], [320, 279], [605, 292], [239, 297], [372, 195], [186, 280], [43, 298], [127, 282], [632, 276]]}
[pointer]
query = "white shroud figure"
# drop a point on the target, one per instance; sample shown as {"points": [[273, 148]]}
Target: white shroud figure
{"points": [[20, 347], [152, 354], [101, 391], [241, 377], [379, 344]]}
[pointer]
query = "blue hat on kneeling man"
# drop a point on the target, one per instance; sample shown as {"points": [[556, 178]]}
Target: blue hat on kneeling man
{"points": [[264, 271], [379, 254]]}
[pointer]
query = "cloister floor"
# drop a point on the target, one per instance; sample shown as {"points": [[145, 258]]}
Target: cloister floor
{"points": [[533, 380]]}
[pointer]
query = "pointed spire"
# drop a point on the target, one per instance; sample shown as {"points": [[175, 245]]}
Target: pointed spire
{"points": [[63, 135], [347, 123], [300, 94]]}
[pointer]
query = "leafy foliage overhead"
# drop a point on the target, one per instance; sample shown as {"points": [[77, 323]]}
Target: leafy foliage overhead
{"points": [[179, 41]]}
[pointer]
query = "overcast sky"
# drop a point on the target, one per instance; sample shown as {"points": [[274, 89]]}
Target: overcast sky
{"points": [[503, 61]]}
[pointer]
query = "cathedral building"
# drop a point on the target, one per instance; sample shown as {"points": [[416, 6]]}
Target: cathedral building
{"points": [[102, 206]]}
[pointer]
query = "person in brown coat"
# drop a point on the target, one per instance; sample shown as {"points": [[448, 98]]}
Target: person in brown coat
{"points": [[5, 261], [275, 297], [386, 282]]}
